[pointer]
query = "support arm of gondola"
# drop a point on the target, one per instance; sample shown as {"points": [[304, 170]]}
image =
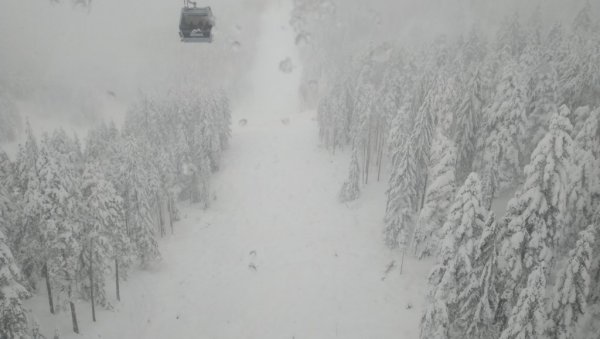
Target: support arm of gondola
{"points": [[188, 2]]}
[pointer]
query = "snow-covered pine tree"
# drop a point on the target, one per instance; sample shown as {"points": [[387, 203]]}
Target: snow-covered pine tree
{"points": [[13, 316], [467, 125], [6, 187], [351, 188], [510, 37], [505, 129], [588, 136], [544, 98], [451, 274], [572, 288], [583, 23], [140, 184], [435, 322], [361, 136], [535, 217], [438, 197], [584, 191], [411, 162], [401, 196], [103, 238], [479, 300], [26, 237], [59, 208], [528, 318], [594, 294]]}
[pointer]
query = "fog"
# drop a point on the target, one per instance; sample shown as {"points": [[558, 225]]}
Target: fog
{"points": [[75, 65]]}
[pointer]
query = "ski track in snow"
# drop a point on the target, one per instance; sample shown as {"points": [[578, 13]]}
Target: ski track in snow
{"points": [[276, 255]]}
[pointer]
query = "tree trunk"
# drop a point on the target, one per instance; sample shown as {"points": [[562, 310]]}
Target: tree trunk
{"points": [[160, 216], [402, 260], [117, 279], [171, 215], [380, 156], [74, 317], [92, 281], [48, 288], [334, 140]]}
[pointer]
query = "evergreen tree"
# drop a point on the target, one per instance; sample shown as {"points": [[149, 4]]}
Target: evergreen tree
{"points": [[571, 289], [26, 237], [528, 318], [479, 300], [401, 196], [506, 127], [351, 188], [58, 204], [534, 218], [141, 183], [438, 197], [103, 235], [13, 317], [542, 105], [468, 124], [458, 252]]}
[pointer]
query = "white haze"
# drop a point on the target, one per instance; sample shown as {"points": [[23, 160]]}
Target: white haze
{"points": [[73, 67]]}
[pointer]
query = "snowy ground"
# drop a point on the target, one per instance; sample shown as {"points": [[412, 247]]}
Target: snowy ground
{"points": [[276, 255], [319, 264]]}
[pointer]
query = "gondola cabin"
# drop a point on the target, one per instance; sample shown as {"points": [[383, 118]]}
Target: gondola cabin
{"points": [[196, 24]]}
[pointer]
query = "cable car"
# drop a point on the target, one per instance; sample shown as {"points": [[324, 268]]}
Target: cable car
{"points": [[196, 23]]}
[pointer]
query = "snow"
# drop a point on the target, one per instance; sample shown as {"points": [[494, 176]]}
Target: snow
{"points": [[319, 264], [276, 255]]}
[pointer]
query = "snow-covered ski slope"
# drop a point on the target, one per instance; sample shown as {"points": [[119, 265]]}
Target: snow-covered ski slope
{"points": [[276, 255]]}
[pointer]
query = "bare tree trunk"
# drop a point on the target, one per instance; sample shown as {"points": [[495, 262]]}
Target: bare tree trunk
{"points": [[334, 140], [117, 279], [74, 317], [170, 206], [161, 224], [92, 280], [48, 288], [402, 260], [380, 155]]}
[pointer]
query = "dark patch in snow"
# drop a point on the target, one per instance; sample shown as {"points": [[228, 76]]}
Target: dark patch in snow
{"points": [[286, 65], [388, 269]]}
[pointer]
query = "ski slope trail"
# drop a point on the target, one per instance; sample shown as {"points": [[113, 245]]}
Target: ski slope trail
{"points": [[275, 255]]}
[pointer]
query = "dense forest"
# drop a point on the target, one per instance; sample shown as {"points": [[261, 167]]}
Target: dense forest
{"points": [[456, 123], [75, 214]]}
